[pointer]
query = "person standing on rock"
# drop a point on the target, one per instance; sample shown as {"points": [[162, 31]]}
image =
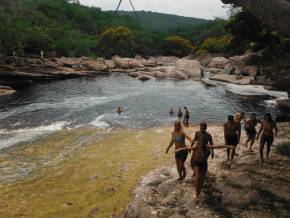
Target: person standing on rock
{"points": [[186, 117], [250, 127], [232, 134], [269, 130], [181, 151], [179, 114], [201, 147]]}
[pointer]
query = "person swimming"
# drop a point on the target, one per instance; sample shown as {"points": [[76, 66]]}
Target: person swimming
{"points": [[171, 112], [201, 147], [269, 130], [181, 151], [232, 134], [179, 114], [119, 110]]}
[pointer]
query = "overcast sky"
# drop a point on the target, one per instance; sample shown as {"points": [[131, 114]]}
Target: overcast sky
{"points": [[207, 9]]}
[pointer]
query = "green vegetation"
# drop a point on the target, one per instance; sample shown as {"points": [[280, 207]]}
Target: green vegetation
{"points": [[178, 46], [66, 28]]}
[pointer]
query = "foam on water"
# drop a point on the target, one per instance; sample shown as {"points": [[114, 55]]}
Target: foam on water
{"points": [[12, 137], [99, 122]]}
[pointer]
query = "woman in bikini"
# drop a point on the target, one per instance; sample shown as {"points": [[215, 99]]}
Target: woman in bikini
{"points": [[181, 151]]}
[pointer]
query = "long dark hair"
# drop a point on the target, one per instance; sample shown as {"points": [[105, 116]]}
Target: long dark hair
{"points": [[177, 126], [269, 116]]}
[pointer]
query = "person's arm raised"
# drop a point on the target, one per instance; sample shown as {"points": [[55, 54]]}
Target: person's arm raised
{"points": [[170, 144]]}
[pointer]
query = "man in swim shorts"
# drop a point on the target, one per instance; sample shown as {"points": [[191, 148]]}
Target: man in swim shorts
{"points": [[232, 134], [250, 128]]}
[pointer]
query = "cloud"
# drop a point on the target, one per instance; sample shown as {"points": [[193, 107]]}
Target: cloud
{"points": [[207, 9]]}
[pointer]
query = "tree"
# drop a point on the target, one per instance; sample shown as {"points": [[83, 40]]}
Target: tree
{"points": [[118, 40], [178, 46], [275, 13]]}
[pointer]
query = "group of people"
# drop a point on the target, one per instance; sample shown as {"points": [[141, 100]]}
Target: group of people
{"points": [[180, 115], [202, 146]]}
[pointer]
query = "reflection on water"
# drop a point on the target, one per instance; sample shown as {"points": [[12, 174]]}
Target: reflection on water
{"points": [[43, 108]]}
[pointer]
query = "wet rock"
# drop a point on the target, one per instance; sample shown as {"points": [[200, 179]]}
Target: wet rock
{"points": [[246, 80], [284, 103], [144, 77], [178, 75], [134, 74], [6, 90]]}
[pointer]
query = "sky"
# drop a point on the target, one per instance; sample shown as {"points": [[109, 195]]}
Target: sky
{"points": [[207, 9]]}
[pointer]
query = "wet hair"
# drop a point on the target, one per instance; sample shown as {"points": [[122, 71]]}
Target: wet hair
{"points": [[254, 115], [269, 116], [203, 124], [177, 126], [185, 108], [231, 118]]}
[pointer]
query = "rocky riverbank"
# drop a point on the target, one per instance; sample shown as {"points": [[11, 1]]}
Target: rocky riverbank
{"points": [[239, 189]]}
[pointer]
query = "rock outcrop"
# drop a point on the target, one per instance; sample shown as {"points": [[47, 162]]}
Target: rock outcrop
{"points": [[6, 90]]}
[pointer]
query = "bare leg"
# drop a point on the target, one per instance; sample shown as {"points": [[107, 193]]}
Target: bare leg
{"points": [[197, 184], [183, 171], [179, 168], [268, 150], [228, 153], [247, 142], [261, 153], [252, 142], [233, 153], [203, 175]]}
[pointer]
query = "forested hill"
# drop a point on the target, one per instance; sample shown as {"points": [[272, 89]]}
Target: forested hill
{"points": [[163, 22]]}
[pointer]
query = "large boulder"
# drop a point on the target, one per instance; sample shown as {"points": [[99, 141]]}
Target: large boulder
{"points": [[219, 62], [204, 59], [190, 68], [284, 103], [68, 62], [127, 63], [110, 64], [167, 60], [177, 75], [95, 65], [249, 71]]}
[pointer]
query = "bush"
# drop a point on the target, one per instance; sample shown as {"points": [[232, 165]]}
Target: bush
{"points": [[216, 44], [178, 46]]}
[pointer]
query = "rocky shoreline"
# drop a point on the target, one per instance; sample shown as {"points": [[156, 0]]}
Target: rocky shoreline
{"points": [[239, 189]]}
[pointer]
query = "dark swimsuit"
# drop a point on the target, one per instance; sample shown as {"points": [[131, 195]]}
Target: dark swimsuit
{"points": [[267, 139], [181, 155], [251, 132]]}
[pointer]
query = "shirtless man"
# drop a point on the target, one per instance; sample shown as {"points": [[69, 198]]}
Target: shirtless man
{"points": [[119, 110], [232, 134], [186, 117], [250, 127], [202, 146], [268, 130], [240, 116], [171, 112], [179, 114]]}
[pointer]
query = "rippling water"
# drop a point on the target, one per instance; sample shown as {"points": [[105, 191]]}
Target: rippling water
{"points": [[43, 108]]}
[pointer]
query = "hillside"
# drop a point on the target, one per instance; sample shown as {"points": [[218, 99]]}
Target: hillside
{"points": [[164, 22]]}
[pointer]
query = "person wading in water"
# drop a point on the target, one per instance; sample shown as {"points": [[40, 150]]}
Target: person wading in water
{"points": [[202, 146], [181, 151], [267, 129], [179, 114], [232, 134], [186, 117], [251, 131]]}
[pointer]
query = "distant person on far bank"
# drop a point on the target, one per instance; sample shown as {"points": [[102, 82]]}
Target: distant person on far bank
{"points": [[251, 131], [186, 117], [179, 114], [269, 130], [181, 151], [119, 110], [171, 112], [232, 134]]}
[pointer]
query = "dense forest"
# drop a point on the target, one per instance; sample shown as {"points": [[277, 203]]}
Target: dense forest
{"points": [[66, 28]]}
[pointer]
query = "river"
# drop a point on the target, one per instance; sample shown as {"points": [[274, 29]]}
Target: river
{"points": [[39, 109]]}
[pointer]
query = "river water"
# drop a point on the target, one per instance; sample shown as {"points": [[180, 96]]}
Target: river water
{"points": [[42, 108]]}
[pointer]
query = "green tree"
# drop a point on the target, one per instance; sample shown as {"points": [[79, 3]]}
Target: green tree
{"points": [[178, 46]]}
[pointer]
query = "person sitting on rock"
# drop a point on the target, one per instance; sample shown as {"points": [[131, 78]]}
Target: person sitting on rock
{"points": [[181, 151], [202, 146], [232, 134], [251, 131], [267, 129]]}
